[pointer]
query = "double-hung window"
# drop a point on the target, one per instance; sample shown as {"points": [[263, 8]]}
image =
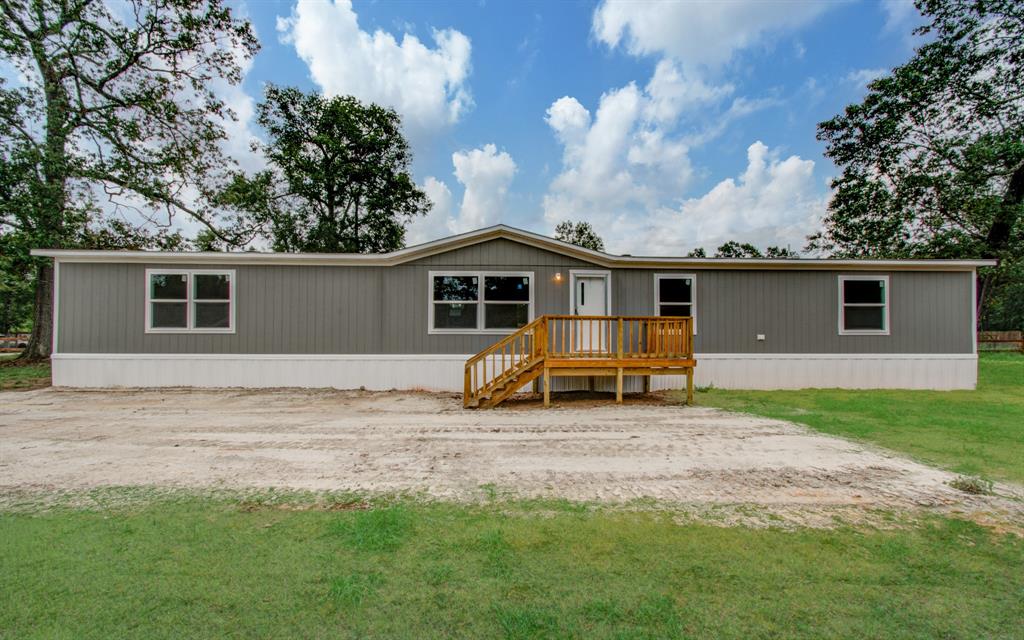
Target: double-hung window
{"points": [[863, 305], [676, 295], [480, 301], [190, 301]]}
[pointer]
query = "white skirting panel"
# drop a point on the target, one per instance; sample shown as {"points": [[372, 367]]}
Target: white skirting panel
{"points": [[374, 372], [445, 372], [822, 371]]}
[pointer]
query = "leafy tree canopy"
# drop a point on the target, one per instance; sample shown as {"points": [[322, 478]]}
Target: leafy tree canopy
{"points": [[733, 249], [581, 234], [118, 104], [339, 176], [933, 158]]}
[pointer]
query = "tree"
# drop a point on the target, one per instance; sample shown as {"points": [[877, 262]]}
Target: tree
{"points": [[116, 102], [933, 158], [782, 253], [580, 234], [339, 176], [733, 249]]}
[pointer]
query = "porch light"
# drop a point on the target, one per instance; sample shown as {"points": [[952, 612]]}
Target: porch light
{"points": [[558, 277]]}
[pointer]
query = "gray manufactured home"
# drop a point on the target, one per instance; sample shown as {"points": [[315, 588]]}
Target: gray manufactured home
{"points": [[410, 319]]}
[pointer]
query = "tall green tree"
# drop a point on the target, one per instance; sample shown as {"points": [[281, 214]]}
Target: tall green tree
{"points": [[338, 177], [733, 249], [118, 103], [932, 159], [581, 234]]}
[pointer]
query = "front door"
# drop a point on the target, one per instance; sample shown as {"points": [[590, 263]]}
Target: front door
{"points": [[590, 298]]}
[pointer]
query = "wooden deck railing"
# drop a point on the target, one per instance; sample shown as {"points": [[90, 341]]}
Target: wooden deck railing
{"points": [[619, 337], [619, 342]]}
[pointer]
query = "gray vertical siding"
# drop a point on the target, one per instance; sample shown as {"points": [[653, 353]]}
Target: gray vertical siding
{"points": [[798, 311], [300, 309], [359, 310]]}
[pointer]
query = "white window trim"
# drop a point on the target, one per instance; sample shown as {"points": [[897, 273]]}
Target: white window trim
{"points": [[191, 301], [885, 308], [658, 277], [590, 273], [480, 330]]}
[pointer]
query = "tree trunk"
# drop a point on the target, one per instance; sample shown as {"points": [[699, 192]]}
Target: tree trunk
{"points": [[40, 344], [1001, 231], [53, 205]]}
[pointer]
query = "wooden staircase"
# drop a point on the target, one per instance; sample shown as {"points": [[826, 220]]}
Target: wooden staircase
{"points": [[555, 345]]}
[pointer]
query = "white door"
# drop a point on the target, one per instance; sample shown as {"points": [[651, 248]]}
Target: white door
{"points": [[590, 299]]}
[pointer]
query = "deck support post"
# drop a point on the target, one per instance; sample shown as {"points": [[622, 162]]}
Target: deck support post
{"points": [[547, 387], [689, 386], [647, 384], [618, 385]]}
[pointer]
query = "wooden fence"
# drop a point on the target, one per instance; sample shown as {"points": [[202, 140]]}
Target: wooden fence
{"points": [[1001, 341]]}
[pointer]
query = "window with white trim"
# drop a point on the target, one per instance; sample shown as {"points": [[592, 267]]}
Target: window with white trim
{"points": [[863, 305], [479, 301], [190, 301], [675, 295]]}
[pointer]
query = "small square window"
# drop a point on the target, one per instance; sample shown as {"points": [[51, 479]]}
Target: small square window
{"points": [[863, 305], [189, 300], [675, 296]]}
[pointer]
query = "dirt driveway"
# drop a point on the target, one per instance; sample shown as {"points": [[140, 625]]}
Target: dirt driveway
{"points": [[426, 442]]}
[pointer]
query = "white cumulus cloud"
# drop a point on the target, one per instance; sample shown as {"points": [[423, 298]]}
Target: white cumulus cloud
{"points": [[673, 91], [485, 175], [775, 201], [425, 84], [627, 168], [631, 156], [698, 33]]}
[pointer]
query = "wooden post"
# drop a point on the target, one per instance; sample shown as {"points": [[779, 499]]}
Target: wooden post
{"points": [[467, 388], [647, 384], [547, 387], [618, 386], [620, 340], [689, 386], [540, 339]]}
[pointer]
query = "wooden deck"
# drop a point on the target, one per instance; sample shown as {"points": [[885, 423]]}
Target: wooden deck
{"points": [[555, 345]]}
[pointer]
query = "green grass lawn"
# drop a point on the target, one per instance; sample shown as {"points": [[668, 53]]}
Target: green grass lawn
{"points": [[977, 432], [214, 568], [16, 376]]}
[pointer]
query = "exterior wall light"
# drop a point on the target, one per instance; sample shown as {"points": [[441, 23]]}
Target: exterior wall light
{"points": [[558, 277]]}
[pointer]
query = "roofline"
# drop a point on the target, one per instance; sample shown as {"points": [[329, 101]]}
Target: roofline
{"points": [[490, 233]]}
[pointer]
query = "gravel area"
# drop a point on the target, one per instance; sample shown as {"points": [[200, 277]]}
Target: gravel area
{"points": [[385, 442]]}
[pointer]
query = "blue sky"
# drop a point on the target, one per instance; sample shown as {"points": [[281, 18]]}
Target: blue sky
{"points": [[666, 125]]}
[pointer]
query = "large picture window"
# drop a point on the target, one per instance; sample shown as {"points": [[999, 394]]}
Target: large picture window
{"points": [[190, 301], [480, 302], [676, 295], [863, 305]]}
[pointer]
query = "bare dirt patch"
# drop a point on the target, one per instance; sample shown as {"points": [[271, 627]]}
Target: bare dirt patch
{"points": [[56, 439]]}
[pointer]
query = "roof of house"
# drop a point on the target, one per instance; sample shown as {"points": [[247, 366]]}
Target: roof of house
{"points": [[501, 232]]}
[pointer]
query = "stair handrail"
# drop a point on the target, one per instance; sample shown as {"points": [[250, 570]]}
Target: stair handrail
{"points": [[533, 331]]}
